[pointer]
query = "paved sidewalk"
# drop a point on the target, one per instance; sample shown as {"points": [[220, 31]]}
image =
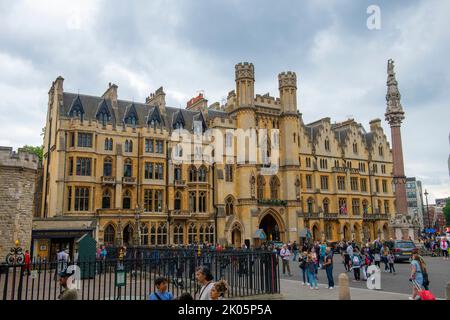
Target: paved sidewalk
{"points": [[294, 290]]}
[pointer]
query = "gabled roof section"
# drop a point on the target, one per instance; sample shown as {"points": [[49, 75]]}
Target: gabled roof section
{"points": [[131, 116], [177, 118], [104, 108], [155, 115], [199, 117], [76, 107]]}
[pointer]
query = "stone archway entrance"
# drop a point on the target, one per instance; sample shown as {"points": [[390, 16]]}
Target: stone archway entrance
{"points": [[271, 228]]}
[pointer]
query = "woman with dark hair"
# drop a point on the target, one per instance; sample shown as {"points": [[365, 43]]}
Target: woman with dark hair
{"points": [[204, 278], [218, 290]]}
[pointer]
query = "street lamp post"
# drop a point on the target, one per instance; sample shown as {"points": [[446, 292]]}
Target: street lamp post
{"points": [[428, 210]]}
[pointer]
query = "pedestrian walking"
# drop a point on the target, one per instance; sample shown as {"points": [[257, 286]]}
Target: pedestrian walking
{"points": [[295, 250], [161, 292], [205, 279], [384, 257], [391, 261], [27, 263], [443, 244], [218, 290], [356, 265], [416, 275], [377, 258], [328, 264], [285, 256], [311, 272], [302, 260]]}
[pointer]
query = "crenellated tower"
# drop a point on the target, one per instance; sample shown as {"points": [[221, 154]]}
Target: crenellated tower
{"points": [[287, 84]]}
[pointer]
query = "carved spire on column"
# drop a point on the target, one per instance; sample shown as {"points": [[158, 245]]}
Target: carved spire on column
{"points": [[394, 111]]}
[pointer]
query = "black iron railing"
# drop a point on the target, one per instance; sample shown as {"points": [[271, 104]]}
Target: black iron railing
{"points": [[247, 273]]}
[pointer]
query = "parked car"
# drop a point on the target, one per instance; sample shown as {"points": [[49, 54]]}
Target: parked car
{"points": [[403, 249]]}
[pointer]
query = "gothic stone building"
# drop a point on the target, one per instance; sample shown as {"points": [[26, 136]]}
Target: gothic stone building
{"points": [[108, 169]]}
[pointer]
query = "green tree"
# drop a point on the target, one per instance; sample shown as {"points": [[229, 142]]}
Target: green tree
{"points": [[447, 212], [39, 151]]}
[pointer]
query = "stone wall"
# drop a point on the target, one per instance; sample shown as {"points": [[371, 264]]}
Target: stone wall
{"points": [[17, 188]]}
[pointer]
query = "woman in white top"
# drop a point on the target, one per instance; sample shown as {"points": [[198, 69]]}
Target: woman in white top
{"points": [[218, 290], [204, 277]]}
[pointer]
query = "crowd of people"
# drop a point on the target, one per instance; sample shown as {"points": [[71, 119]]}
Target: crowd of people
{"points": [[315, 256]]}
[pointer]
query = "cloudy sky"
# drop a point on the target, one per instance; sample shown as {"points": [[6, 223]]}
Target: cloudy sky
{"points": [[187, 46]]}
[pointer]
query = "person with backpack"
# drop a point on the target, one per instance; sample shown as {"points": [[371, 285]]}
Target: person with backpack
{"points": [[356, 265], [302, 260]]}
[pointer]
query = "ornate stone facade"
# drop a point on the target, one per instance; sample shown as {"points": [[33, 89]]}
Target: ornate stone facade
{"points": [[17, 185], [334, 179]]}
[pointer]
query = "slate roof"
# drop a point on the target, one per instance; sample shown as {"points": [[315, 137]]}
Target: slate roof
{"points": [[91, 105]]}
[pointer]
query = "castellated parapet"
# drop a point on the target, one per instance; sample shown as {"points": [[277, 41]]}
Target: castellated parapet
{"points": [[287, 79], [17, 186], [245, 70]]}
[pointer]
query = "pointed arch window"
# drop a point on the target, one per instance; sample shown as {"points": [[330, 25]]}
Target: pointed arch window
{"points": [[128, 145], [107, 167], [177, 173], [177, 201], [178, 234], [260, 188], [229, 206], [126, 200], [310, 204], [326, 206], [274, 188], [327, 144], [128, 168], [192, 202], [109, 234], [153, 235], [144, 234], [162, 234], [76, 110], [202, 174], [106, 199], [192, 174], [380, 151], [192, 233], [202, 202], [355, 148]]}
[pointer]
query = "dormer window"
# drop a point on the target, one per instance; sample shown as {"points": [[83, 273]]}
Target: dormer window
{"points": [[131, 120], [76, 109]]}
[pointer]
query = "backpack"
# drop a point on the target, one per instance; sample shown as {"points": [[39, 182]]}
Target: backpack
{"points": [[355, 261]]}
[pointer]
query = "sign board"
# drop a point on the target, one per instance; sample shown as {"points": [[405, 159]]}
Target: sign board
{"points": [[120, 278], [292, 229]]}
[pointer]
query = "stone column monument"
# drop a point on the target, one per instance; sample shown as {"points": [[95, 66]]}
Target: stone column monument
{"points": [[403, 225]]}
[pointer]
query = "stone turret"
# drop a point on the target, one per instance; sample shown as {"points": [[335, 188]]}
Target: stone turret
{"points": [[17, 184], [245, 84], [287, 85]]}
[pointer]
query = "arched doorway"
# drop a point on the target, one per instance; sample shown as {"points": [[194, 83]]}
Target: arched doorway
{"points": [[346, 232], [128, 235], [271, 228], [236, 236]]}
